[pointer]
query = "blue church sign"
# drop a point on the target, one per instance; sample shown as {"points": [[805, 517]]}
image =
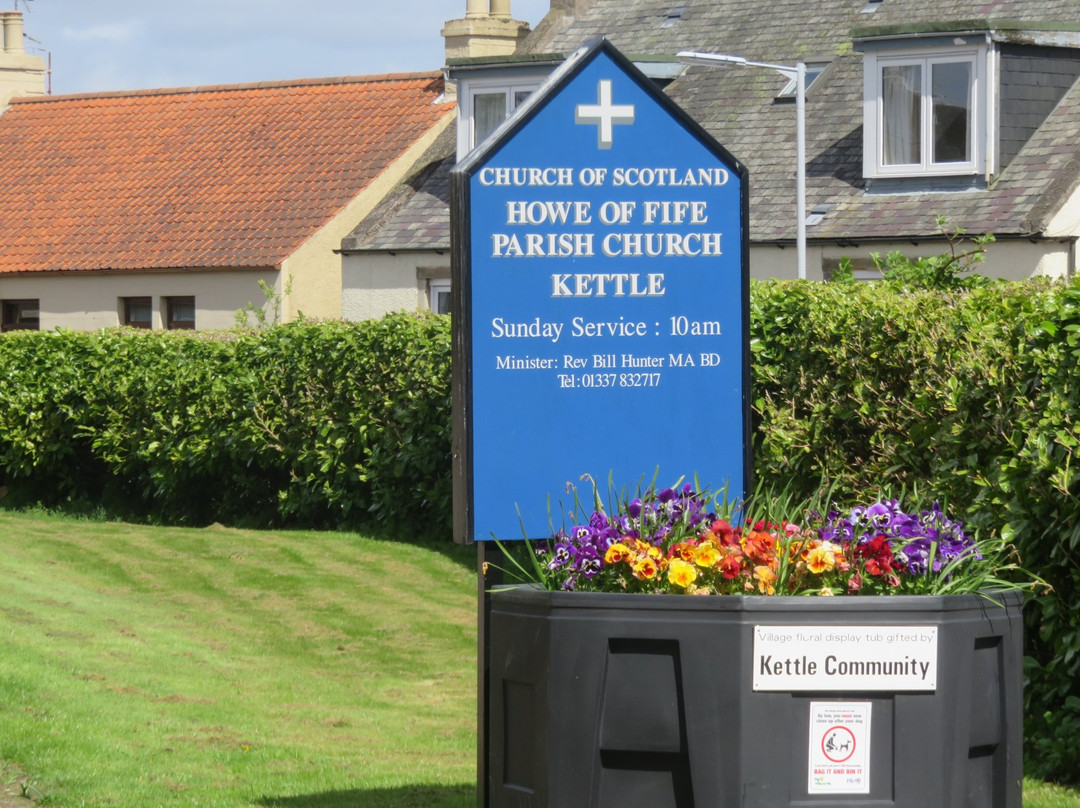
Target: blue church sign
{"points": [[601, 302]]}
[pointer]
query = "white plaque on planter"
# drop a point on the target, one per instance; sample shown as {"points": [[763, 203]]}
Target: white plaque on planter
{"points": [[839, 747], [845, 658]]}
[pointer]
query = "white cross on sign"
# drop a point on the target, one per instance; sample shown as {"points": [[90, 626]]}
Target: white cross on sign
{"points": [[604, 114]]}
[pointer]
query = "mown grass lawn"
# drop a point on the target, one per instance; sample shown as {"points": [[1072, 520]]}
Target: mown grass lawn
{"points": [[215, 667], [156, 666], [1048, 795]]}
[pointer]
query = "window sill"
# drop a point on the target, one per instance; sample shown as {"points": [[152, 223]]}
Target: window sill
{"points": [[925, 184]]}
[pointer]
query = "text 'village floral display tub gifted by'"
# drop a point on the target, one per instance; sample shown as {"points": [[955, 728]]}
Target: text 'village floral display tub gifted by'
{"points": [[656, 698]]}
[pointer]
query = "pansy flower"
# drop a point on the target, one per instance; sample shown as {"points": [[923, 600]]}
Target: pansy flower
{"points": [[563, 555], [680, 573], [731, 566], [820, 560], [724, 532], [684, 550], [589, 563], [645, 568], [765, 578], [706, 554]]}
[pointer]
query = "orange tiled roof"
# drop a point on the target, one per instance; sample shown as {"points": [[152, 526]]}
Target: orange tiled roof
{"points": [[229, 176]]}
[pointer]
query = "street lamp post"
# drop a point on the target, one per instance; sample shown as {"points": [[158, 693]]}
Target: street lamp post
{"points": [[798, 73]]}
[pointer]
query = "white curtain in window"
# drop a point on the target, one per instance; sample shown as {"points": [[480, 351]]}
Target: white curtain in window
{"points": [[902, 96], [489, 110]]}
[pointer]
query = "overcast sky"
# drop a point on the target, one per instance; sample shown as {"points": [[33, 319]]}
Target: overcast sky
{"points": [[100, 45]]}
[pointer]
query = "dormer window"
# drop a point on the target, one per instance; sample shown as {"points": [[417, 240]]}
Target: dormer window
{"points": [[491, 106], [925, 112], [486, 103], [488, 92]]}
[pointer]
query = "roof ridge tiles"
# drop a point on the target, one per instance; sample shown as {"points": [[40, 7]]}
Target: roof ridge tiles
{"points": [[432, 75]]}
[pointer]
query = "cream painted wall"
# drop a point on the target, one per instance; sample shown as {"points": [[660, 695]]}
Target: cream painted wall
{"points": [[93, 300], [375, 284], [770, 261], [1022, 259], [315, 268], [1067, 220], [1011, 259]]}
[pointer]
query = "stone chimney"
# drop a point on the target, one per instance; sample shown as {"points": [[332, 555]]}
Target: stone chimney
{"points": [[487, 30], [20, 72]]}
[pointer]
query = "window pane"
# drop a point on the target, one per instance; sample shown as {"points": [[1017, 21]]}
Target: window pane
{"points": [[181, 312], [439, 296], [902, 95], [791, 89], [519, 97], [952, 111], [489, 110], [18, 315], [137, 312], [442, 302]]}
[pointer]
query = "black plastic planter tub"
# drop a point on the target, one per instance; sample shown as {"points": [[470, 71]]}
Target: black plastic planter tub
{"points": [[671, 701]]}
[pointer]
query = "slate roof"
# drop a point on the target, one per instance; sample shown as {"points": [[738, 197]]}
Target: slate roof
{"points": [[739, 107], [216, 177], [783, 30], [416, 214]]}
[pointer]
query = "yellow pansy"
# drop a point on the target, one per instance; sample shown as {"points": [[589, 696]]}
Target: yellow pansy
{"points": [[681, 574]]}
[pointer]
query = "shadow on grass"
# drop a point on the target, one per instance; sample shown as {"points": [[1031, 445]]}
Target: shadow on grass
{"points": [[463, 555], [401, 797]]}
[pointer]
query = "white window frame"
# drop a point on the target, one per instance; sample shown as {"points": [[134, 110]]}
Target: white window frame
{"points": [[467, 92], [981, 110], [437, 286], [814, 71]]}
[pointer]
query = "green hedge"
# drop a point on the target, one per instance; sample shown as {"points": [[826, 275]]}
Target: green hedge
{"points": [[971, 396], [317, 424]]}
